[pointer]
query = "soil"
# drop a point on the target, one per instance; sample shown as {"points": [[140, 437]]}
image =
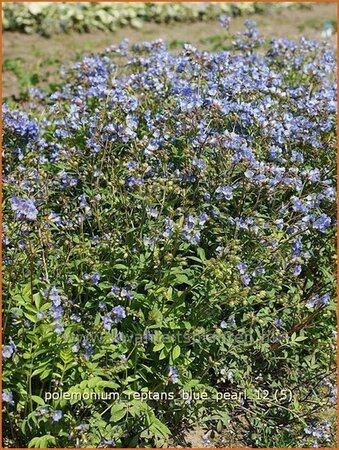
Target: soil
{"points": [[30, 60]]}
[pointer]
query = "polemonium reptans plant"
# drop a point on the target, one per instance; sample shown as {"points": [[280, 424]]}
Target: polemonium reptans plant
{"points": [[169, 224]]}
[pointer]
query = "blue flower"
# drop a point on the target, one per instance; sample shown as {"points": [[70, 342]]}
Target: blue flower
{"points": [[76, 318], [207, 196], [225, 21], [169, 227], [192, 226], [278, 322], [83, 201], [20, 125], [7, 397], [123, 292], [54, 296], [24, 208], [59, 329], [42, 411], [199, 163], [205, 440], [56, 312], [57, 415], [330, 193], [88, 349], [150, 242], [119, 337], [119, 312], [202, 219], [231, 320], [96, 278], [133, 182], [8, 350], [152, 212], [107, 322], [75, 348], [246, 279], [324, 299], [297, 270], [249, 173], [173, 374], [225, 192], [322, 223], [115, 290], [108, 442], [317, 301], [55, 218], [148, 335], [130, 295], [297, 246], [242, 267], [192, 238]]}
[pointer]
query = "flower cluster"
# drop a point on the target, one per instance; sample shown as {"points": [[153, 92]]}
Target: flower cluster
{"points": [[24, 208]]}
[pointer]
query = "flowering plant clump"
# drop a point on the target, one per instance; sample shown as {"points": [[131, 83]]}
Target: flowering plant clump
{"points": [[169, 224]]}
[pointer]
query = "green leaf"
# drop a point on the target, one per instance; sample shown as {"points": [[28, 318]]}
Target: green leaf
{"points": [[182, 279], [118, 411], [159, 428], [37, 300], [300, 338], [42, 442], [38, 400], [163, 354], [93, 382], [30, 317], [176, 352], [158, 347], [108, 384], [120, 267], [201, 254]]}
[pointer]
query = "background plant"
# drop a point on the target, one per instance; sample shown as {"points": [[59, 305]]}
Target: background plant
{"points": [[48, 18]]}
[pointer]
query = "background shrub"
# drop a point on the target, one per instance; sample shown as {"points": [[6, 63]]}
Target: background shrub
{"points": [[169, 225], [48, 18]]}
